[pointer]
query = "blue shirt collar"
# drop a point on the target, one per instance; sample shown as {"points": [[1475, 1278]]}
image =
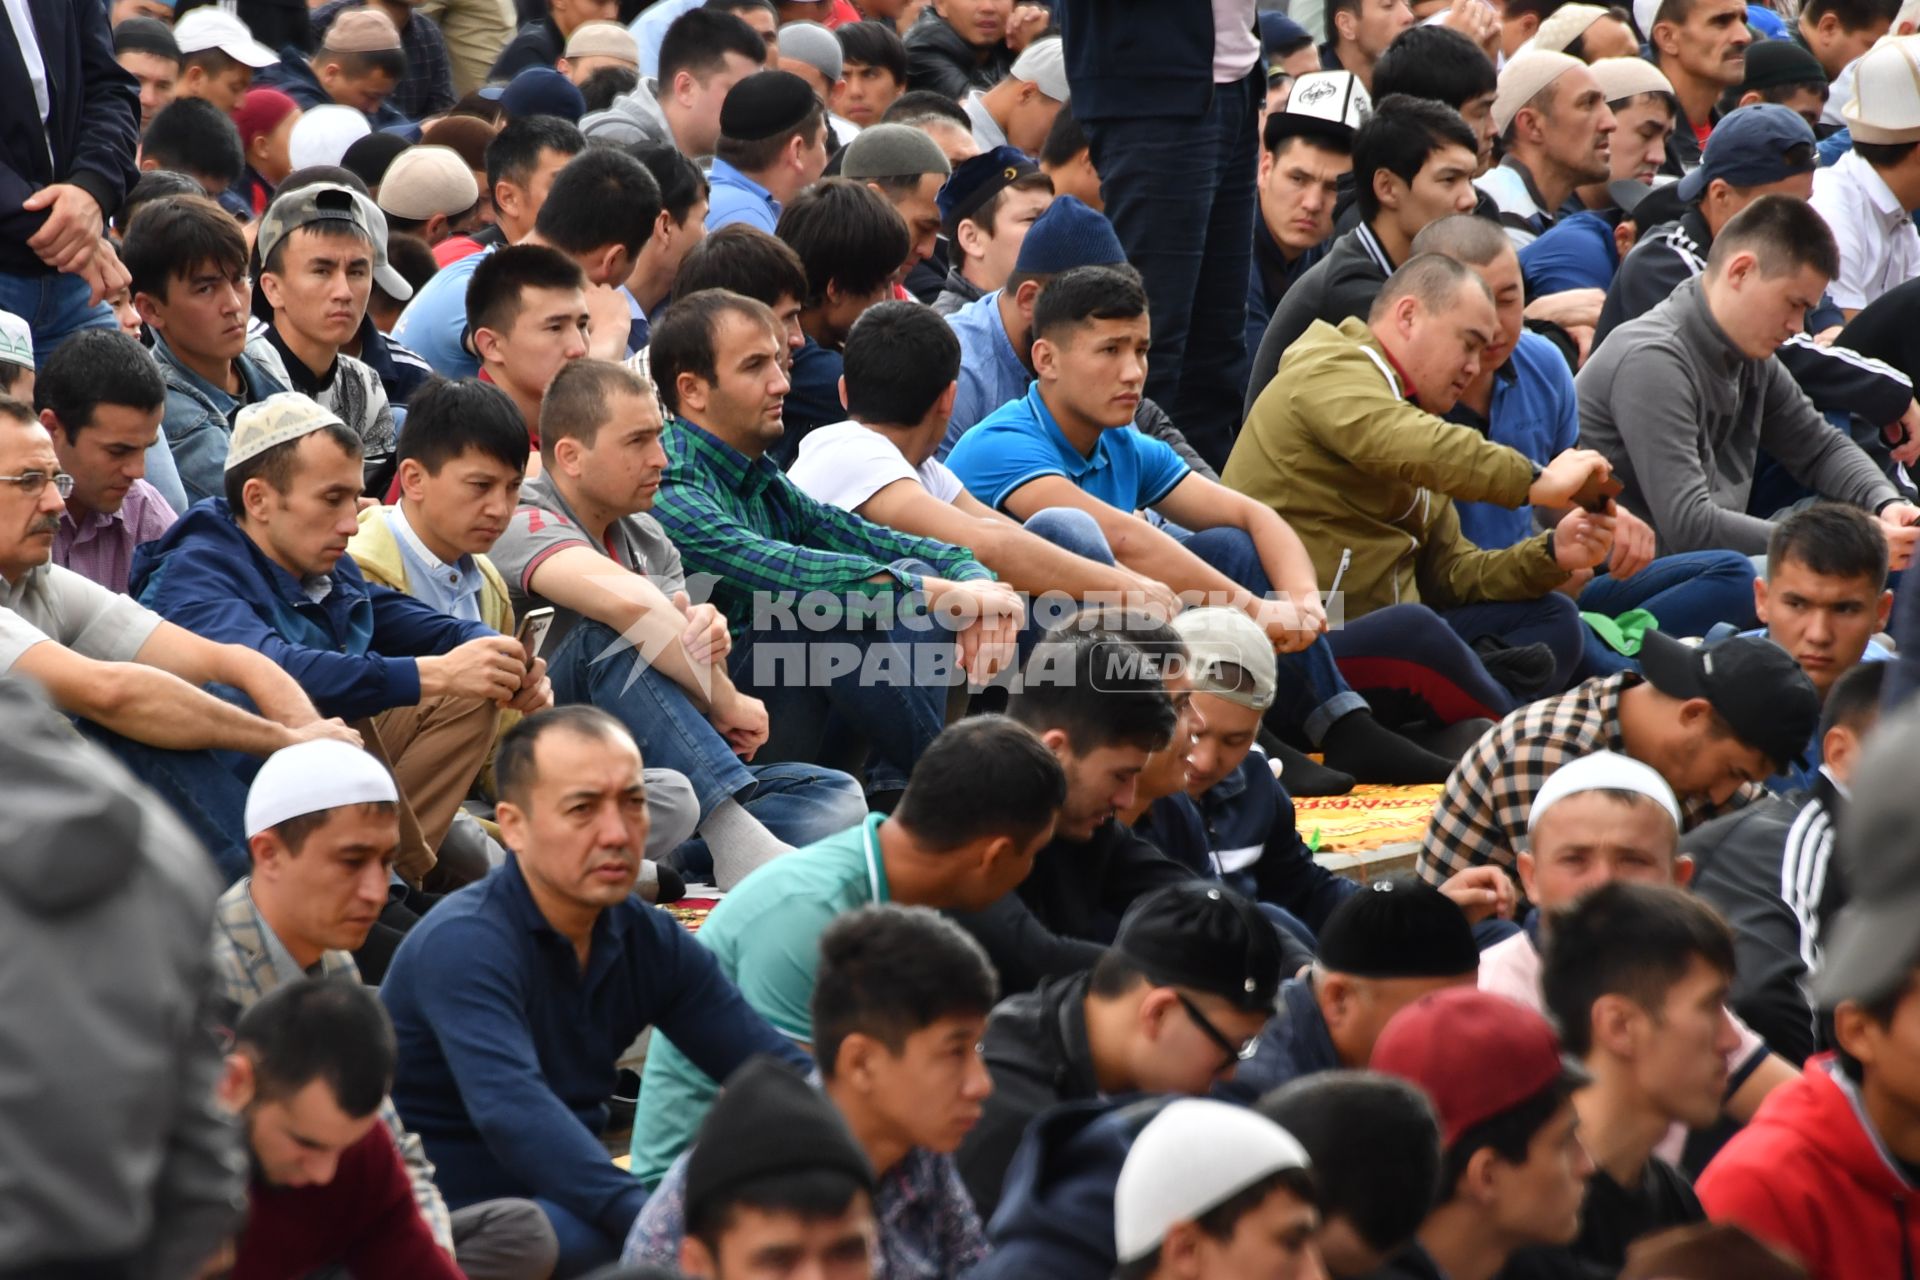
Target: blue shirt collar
{"points": [[724, 174], [1075, 463], [609, 929], [1004, 349]]}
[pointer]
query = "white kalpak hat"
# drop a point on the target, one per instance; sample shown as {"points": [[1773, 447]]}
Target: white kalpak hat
{"points": [[1603, 771], [1194, 1156], [312, 777]]}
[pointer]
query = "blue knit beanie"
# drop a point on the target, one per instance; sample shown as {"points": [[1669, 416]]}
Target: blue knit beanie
{"points": [[1069, 234]]}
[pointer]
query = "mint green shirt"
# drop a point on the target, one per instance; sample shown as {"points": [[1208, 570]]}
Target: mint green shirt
{"points": [[766, 937]]}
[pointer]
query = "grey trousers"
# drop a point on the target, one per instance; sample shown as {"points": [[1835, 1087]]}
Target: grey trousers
{"points": [[504, 1240]]}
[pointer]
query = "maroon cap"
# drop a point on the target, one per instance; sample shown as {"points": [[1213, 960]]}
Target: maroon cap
{"points": [[1475, 1054]]}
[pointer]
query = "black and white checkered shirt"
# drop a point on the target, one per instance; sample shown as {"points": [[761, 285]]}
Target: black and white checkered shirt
{"points": [[1482, 815]]}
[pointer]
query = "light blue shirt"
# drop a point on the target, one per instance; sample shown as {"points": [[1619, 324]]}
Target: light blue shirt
{"points": [[434, 325], [1020, 443], [731, 197], [163, 473], [650, 28], [991, 371], [450, 588]]}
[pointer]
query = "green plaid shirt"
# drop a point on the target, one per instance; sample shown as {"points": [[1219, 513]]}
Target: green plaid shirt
{"points": [[742, 521]]}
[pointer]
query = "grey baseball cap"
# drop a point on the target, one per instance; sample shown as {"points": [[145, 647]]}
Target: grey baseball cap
{"points": [[328, 202]]}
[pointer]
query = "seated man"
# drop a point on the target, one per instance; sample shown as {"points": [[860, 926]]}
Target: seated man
{"points": [[733, 514], [873, 63], [1684, 428], [772, 146], [582, 542], [776, 1172], [127, 677], [265, 567], [219, 57], [542, 40], [1553, 118], [100, 398], [1514, 1170], [1711, 721], [146, 50], [191, 136], [896, 1016], [1601, 819], [527, 318], [1255, 1197], [851, 244], [512, 1000], [682, 224], [1380, 950], [959, 47], [985, 210], [981, 802], [1370, 485], [906, 167], [899, 383], [1863, 195], [1169, 1008], [1018, 109], [1305, 152], [1769, 870], [318, 263], [1637, 975], [360, 63], [308, 1075], [1069, 443], [188, 260], [323, 829]]}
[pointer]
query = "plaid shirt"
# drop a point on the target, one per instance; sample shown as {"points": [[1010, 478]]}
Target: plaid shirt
{"points": [[1482, 815], [748, 525], [427, 88], [243, 966]]}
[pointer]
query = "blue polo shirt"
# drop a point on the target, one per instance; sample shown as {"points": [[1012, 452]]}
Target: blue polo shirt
{"points": [[991, 371], [734, 197], [1534, 411], [434, 325], [1020, 442]]}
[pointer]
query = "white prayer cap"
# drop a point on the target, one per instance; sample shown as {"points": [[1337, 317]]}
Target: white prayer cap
{"points": [[324, 134], [1603, 771], [16, 340], [1194, 1156], [312, 777]]}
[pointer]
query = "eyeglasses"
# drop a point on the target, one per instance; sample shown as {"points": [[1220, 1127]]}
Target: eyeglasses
{"points": [[30, 483], [1236, 1053]]}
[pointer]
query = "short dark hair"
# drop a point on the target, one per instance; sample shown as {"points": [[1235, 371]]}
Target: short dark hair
{"points": [[294, 832], [1853, 14], [1508, 1134], [1880, 1009], [811, 1194], [887, 971], [752, 155], [744, 260], [1854, 699], [575, 406], [356, 64], [1626, 939], [1345, 1119], [983, 777], [1223, 1219], [1783, 233], [1097, 689], [601, 197], [192, 136], [92, 368], [683, 339], [275, 465], [215, 62], [329, 1029], [1065, 139], [494, 292], [154, 184], [446, 418], [700, 40], [681, 183], [1337, 7], [514, 153], [1401, 136], [1073, 298], [1832, 539], [989, 209], [899, 359], [604, 84], [846, 235], [874, 44], [412, 257], [741, 6], [175, 237], [514, 771], [916, 106], [11, 371], [1577, 47], [1437, 64]]}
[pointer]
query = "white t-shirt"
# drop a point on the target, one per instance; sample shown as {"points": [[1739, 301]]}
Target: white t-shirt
{"points": [[845, 464], [52, 603]]}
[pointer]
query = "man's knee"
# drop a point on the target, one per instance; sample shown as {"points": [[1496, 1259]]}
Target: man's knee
{"points": [[673, 810], [504, 1240], [1072, 529]]}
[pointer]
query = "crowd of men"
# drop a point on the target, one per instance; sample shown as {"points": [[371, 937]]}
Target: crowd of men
{"points": [[679, 639]]}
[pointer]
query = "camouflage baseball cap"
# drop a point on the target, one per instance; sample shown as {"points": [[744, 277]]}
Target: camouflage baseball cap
{"points": [[285, 416], [324, 202]]}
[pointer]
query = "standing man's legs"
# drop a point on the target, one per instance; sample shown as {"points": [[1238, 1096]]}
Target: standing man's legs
{"points": [[55, 308]]}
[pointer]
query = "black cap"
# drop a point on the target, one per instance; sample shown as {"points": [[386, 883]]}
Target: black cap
{"points": [[766, 1121], [1772, 63], [1207, 937], [978, 179], [146, 35], [765, 105], [369, 157], [1754, 685], [1400, 927]]}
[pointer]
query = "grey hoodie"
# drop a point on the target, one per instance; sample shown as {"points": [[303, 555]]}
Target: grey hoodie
{"points": [[112, 1145], [633, 117]]}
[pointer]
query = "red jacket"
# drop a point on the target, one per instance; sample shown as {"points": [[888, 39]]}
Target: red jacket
{"points": [[1808, 1176]]}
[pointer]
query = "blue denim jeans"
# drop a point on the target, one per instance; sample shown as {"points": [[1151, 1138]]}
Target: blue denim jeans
{"points": [[1180, 194], [55, 308], [197, 786], [838, 689], [798, 803], [1552, 620], [1687, 593]]}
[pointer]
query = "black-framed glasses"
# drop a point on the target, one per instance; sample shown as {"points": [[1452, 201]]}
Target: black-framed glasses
{"points": [[1236, 1053], [30, 483]]}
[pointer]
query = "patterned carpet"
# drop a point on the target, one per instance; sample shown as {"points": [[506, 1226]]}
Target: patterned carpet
{"points": [[1369, 817]]}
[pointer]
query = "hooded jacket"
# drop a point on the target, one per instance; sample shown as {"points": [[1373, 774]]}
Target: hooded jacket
{"points": [[1809, 1174], [633, 117], [1367, 479], [111, 1138], [354, 651]]}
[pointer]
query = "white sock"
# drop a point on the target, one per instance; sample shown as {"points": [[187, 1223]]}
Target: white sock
{"points": [[739, 842]]}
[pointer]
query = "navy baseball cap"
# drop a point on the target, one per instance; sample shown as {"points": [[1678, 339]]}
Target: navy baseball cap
{"points": [[1278, 31], [1751, 147]]}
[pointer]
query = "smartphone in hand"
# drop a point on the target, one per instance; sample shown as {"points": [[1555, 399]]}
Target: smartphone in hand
{"points": [[532, 632]]}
